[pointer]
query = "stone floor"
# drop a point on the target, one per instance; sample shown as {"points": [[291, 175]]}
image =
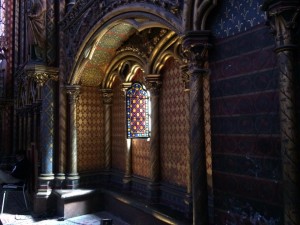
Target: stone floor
{"points": [[15, 213]]}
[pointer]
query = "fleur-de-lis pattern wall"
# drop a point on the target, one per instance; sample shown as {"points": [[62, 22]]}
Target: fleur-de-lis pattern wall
{"points": [[236, 16]]}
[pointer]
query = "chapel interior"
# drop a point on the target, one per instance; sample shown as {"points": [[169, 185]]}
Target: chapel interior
{"points": [[160, 112]]}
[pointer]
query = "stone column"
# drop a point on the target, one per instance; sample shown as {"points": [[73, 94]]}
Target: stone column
{"points": [[128, 156], [195, 45], [45, 78], [107, 101], [72, 174], [188, 198], [153, 84], [282, 17]]}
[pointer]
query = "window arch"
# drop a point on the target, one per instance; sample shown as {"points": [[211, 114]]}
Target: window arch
{"points": [[137, 111]]}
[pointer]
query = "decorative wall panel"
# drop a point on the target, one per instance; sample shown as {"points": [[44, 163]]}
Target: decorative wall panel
{"points": [[173, 127], [118, 127], [90, 128]]}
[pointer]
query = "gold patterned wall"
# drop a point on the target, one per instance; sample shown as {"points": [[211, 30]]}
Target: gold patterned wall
{"points": [[118, 127], [90, 128], [140, 147], [173, 126]]}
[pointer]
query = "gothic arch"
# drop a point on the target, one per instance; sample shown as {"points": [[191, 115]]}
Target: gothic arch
{"points": [[136, 17]]}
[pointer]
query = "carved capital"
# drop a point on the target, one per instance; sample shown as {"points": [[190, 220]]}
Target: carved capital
{"points": [[195, 47], [41, 74], [282, 19], [107, 96], [153, 83], [73, 92]]}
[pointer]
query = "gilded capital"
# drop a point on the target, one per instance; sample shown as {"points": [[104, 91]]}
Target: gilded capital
{"points": [[195, 47], [107, 96], [153, 83], [41, 74]]}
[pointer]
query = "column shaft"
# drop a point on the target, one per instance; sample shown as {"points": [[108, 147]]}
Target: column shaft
{"points": [[72, 175], [283, 17]]}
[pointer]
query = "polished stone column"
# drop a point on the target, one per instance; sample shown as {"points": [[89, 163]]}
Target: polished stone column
{"points": [[72, 174], [189, 196], [153, 84], [283, 17], [107, 101], [195, 45], [128, 152]]}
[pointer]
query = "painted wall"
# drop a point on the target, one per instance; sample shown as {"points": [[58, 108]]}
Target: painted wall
{"points": [[90, 128], [245, 119]]}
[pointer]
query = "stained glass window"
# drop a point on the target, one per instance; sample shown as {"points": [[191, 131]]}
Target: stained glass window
{"points": [[137, 112]]}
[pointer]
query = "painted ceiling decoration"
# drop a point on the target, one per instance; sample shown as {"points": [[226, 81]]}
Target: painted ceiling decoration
{"points": [[93, 73], [124, 38]]}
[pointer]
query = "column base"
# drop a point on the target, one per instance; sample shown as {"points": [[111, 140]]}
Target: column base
{"points": [[45, 183], [59, 181], [72, 181], [127, 183], [153, 192]]}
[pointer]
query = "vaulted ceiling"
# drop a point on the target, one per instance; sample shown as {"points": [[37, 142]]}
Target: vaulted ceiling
{"points": [[109, 44]]}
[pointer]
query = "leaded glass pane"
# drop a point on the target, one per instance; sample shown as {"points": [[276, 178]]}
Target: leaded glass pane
{"points": [[137, 110]]}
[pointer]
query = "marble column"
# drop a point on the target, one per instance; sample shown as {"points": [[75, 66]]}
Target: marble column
{"points": [[153, 84], [128, 153], [195, 46], [72, 174], [283, 17], [107, 102]]}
